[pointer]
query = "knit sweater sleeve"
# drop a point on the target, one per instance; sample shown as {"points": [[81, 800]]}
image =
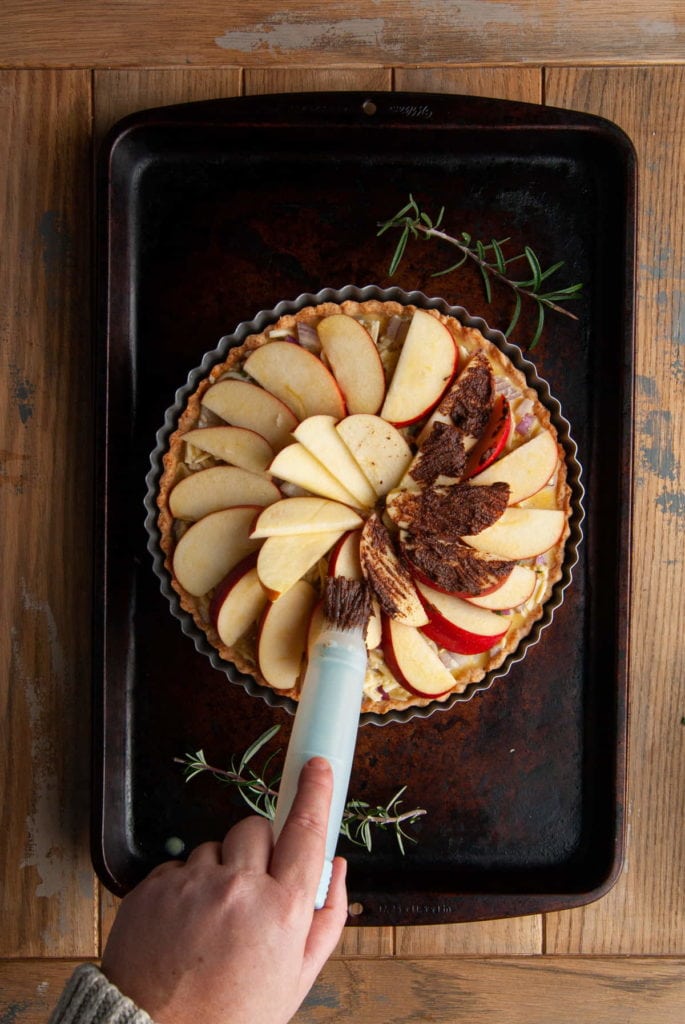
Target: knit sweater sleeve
{"points": [[89, 998]]}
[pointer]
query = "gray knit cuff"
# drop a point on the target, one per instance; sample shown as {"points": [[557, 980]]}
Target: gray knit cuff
{"points": [[89, 998]]}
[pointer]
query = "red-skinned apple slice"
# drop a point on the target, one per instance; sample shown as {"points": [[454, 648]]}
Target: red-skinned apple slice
{"points": [[209, 490], [458, 625], [413, 662], [235, 445], [212, 546], [238, 601], [304, 515], [355, 362], [526, 469], [490, 445], [282, 636], [243, 404], [520, 533], [344, 560], [298, 466], [469, 397], [422, 577], [380, 450], [426, 366], [387, 575], [516, 590], [298, 378], [319, 436], [284, 560]]}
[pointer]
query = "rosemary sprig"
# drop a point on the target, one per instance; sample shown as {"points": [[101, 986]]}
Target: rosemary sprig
{"points": [[412, 222], [259, 790]]}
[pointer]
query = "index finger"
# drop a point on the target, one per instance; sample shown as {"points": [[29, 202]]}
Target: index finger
{"points": [[298, 856]]}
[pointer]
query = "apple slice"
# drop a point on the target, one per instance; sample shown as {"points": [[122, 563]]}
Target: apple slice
{"points": [[526, 469], [345, 561], [238, 601], [282, 637], [243, 404], [426, 366], [315, 626], [298, 466], [460, 626], [490, 445], [380, 450], [211, 547], [284, 560], [304, 515], [467, 403], [520, 533], [321, 439], [209, 490], [355, 362], [414, 662], [390, 580], [298, 378], [516, 589], [237, 446]]}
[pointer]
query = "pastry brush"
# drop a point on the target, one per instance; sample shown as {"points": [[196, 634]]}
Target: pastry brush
{"points": [[327, 717]]}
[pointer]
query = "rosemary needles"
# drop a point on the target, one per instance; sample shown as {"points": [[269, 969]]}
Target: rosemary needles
{"points": [[491, 261], [259, 790]]}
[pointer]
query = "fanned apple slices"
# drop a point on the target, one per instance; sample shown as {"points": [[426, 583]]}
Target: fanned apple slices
{"points": [[369, 440]]}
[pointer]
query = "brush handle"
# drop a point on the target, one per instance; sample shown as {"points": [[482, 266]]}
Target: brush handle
{"points": [[326, 724]]}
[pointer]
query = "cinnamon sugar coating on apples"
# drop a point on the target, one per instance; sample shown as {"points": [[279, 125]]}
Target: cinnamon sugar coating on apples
{"points": [[451, 510], [441, 454], [387, 576], [452, 565], [469, 402]]}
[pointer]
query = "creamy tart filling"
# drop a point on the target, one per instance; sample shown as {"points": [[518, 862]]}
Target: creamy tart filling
{"points": [[371, 440]]}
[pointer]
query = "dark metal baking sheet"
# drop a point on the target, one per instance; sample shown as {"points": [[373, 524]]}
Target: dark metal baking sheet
{"points": [[211, 212]]}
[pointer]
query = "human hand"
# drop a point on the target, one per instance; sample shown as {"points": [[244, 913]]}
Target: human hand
{"points": [[231, 936]]}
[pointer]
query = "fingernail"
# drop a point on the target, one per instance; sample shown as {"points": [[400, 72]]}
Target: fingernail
{"points": [[318, 764]]}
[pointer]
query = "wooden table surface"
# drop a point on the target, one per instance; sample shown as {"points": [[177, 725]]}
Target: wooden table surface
{"points": [[70, 68]]}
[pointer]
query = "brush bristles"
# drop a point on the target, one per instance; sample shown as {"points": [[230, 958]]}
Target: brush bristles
{"points": [[346, 603]]}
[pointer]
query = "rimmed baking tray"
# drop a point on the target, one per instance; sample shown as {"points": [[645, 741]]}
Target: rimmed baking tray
{"points": [[211, 212]]}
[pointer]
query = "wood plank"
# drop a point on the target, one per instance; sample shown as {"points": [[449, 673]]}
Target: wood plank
{"points": [[47, 900], [510, 991], [516, 936], [502, 83], [259, 81], [118, 93], [645, 912], [97, 33], [513, 991]]}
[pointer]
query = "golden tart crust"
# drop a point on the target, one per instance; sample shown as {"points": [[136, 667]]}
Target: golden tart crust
{"points": [[382, 692]]}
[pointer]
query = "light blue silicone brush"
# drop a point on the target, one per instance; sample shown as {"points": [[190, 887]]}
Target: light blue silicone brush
{"points": [[327, 717]]}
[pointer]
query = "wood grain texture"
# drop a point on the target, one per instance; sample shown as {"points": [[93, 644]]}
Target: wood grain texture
{"points": [[98, 33], [516, 936], [549, 990], [260, 81], [646, 912], [117, 93], [47, 896], [502, 83]]}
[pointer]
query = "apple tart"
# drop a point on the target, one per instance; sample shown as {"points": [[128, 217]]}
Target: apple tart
{"points": [[367, 439]]}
